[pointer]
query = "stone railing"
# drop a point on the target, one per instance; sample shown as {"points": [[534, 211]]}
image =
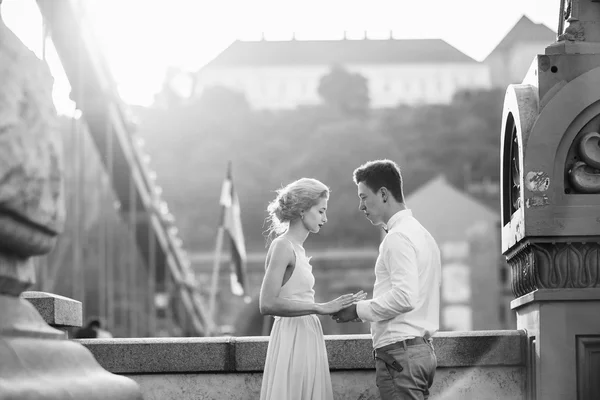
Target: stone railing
{"points": [[57, 311], [471, 365], [477, 365]]}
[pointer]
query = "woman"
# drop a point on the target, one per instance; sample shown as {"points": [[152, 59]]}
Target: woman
{"points": [[296, 367]]}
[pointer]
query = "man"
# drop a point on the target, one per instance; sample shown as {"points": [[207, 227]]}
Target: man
{"points": [[404, 311]]}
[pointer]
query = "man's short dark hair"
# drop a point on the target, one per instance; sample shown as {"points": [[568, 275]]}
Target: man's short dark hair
{"points": [[381, 173]]}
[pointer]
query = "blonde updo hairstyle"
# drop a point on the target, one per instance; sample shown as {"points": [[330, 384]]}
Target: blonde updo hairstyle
{"points": [[291, 201]]}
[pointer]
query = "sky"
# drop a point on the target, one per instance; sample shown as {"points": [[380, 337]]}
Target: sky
{"points": [[142, 38]]}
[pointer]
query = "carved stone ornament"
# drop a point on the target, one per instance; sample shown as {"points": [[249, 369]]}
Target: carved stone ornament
{"points": [[555, 266], [36, 361], [31, 187], [575, 32], [584, 175]]}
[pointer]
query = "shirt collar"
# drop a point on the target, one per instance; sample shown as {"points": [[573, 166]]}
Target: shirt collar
{"points": [[396, 218]]}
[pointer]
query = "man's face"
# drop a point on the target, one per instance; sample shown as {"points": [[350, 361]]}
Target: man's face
{"points": [[371, 204]]}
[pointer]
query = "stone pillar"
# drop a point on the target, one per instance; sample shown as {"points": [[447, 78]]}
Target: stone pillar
{"points": [[551, 208], [37, 361]]}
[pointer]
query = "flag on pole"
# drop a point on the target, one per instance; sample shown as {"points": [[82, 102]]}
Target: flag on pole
{"points": [[231, 222]]}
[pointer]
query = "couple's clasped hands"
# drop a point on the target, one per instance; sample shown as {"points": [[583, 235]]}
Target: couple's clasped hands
{"points": [[343, 309]]}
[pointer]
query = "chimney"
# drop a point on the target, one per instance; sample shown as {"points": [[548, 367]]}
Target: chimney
{"points": [[391, 34], [293, 35], [262, 36], [345, 37], [366, 36]]}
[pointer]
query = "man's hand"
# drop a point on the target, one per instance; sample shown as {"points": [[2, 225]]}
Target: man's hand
{"points": [[345, 315]]}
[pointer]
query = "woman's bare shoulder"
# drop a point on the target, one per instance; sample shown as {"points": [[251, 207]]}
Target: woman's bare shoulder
{"points": [[280, 249]]}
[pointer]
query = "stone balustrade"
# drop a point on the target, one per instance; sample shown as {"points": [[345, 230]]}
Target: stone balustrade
{"points": [[482, 365], [478, 365]]}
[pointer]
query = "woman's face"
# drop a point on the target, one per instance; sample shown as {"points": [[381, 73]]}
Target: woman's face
{"points": [[316, 216]]}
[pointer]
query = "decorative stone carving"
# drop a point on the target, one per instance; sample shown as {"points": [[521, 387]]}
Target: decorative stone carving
{"points": [[31, 187], [552, 241], [554, 266], [575, 32], [36, 360], [585, 172], [550, 192]]}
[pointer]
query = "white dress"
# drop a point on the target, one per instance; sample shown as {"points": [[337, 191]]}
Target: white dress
{"points": [[297, 367]]}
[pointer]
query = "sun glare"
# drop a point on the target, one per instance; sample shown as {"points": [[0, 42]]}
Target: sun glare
{"points": [[24, 19], [141, 39]]}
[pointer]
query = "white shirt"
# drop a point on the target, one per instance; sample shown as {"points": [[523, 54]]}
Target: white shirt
{"points": [[406, 297]]}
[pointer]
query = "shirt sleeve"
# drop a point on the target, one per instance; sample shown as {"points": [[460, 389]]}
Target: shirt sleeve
{"points": [[400, 259]]}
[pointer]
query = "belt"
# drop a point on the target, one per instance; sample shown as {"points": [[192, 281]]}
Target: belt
{"points": [[382, 354], [403, 344]]}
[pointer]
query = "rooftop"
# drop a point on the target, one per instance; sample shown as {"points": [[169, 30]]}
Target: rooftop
{"points": [[441, 208], [330, 52], [525, 30]]}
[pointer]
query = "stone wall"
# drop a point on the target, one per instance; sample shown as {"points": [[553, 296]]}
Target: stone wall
{"points": [[477, 365]]}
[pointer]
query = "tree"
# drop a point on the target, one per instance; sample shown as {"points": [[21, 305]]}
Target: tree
{"points": [[220, 98], [177, 88], [345, 91], [191, 144]]}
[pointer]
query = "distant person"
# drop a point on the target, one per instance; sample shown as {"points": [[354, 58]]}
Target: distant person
{"points": [[93, 330], [405, 309], [104, 334], [296, 367]]}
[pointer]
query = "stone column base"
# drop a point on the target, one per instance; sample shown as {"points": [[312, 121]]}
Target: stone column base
{"points": [[563, 352], [37, 362]]}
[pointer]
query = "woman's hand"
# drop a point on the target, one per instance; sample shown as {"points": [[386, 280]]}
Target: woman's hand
{"points": [[341, 302], [360, 296]]}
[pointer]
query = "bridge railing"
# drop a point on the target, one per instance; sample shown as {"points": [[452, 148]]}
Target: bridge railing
{"points": [[471, 365], [120, 255]]}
